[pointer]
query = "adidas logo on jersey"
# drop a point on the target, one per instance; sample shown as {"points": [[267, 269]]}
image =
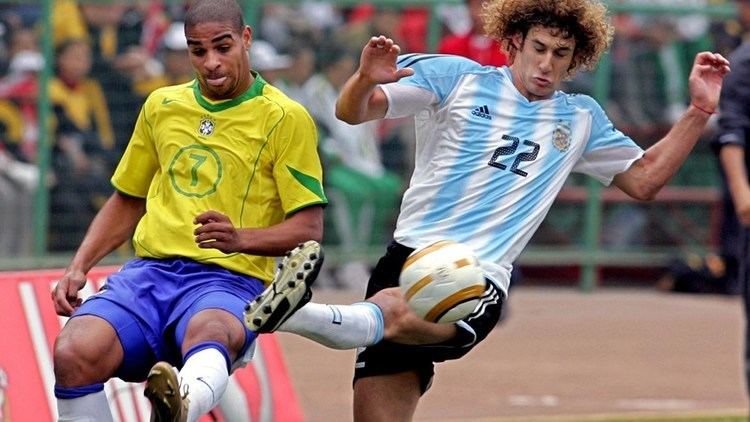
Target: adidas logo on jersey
{"points": [[482, 112]]}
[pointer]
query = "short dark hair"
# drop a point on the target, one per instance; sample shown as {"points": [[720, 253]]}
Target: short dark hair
{"points": [[203, 11]]}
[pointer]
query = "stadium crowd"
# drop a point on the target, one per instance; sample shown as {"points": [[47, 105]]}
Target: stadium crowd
{"points": [[108, 57]]}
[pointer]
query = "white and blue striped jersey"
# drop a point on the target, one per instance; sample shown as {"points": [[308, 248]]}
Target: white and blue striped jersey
{"points": [[489, 162]]}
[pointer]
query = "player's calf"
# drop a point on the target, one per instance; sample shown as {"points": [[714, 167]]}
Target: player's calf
{"points": [[289, 290]]}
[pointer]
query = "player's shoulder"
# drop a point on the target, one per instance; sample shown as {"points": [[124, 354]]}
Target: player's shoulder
{"points": [[440, 64], [583, 102]]}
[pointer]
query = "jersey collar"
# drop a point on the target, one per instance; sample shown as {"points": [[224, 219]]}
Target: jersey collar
{"points": [[255, 89], [509, 81]]}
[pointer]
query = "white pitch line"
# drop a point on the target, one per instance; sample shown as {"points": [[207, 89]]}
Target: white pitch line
{"points": [[521, 400], [656, 404], [39, 342], [264, 383]]}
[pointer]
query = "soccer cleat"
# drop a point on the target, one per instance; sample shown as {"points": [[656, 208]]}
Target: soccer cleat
{"points": [[289, 290], [163, 391]]}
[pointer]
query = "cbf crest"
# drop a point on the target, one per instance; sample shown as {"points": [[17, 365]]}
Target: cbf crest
{"points": [[561, 136], [207, 126]]}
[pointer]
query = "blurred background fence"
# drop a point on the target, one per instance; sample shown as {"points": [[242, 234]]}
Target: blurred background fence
{"points": [[75, 73]]}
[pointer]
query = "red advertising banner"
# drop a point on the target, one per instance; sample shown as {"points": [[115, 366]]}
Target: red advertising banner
{"points": [[28, 326]]}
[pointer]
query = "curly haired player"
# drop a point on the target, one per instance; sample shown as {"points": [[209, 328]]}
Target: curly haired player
{"points": [[494, 146]]}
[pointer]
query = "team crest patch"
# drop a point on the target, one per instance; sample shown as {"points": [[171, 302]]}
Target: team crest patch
{"points": [[206, 126], [561, 136]]}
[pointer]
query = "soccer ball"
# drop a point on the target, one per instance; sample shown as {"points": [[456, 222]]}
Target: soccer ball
{"points": [[442, 282]]}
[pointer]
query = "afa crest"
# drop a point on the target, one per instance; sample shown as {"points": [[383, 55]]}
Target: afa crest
{"points": [[207, 126], [561, 136]]}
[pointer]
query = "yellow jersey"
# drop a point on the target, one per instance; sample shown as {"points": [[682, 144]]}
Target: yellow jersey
{"points": [[253, 158]]}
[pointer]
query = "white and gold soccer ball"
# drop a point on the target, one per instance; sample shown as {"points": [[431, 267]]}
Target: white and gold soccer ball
{"points": [[442, 282]]}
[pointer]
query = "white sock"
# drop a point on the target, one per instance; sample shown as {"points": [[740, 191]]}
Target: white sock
{"points": [[337, 326], [89, 408], [233, 403], [205, 375]]}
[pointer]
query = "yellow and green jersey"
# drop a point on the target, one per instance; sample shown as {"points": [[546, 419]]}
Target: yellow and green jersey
{"points": [[253, 158]]}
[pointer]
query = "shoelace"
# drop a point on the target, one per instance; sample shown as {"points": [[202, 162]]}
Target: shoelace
{"points": [[185, 389]]}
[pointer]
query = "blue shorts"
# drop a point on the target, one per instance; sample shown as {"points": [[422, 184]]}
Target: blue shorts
{"points": [[149, 303]]}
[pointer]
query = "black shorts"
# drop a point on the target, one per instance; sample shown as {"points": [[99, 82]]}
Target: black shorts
{"points": [[389, 358]]}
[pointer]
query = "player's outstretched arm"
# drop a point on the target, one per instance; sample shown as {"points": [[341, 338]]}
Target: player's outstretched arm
{"points": [[647, 176], [360, 100], [113, 225]]}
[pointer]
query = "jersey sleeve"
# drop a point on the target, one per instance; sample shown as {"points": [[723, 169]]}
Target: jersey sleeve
{"points": [[139, 163], [297, 169], [608, 151], [435, 77]]}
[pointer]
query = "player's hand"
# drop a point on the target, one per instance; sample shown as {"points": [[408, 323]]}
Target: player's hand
{"points": [[65, 293], [378, 61], [706, 78], [216, 231]]}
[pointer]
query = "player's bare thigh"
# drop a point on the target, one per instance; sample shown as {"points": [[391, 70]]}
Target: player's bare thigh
{"points": [[87, 351], [386, 398]]}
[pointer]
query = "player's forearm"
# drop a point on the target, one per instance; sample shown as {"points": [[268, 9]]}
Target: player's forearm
{"points": [[306, 224], [355, 100], [660, 162], [113, 225]]}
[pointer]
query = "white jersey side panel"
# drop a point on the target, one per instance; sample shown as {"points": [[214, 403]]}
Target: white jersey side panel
{"points": [[489, 163]]}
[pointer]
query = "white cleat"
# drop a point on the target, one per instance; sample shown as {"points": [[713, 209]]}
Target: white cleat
{"points": [[289, 290]]}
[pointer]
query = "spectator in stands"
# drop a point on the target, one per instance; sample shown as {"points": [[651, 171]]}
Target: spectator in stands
{"points": [[303, 66], [728, 34], [67, 21], [474, 44], [690, 37], [114, 29], [83, 152], [636, 103], [363, 194], [147, 73], [647, 93], [364, 20], [733, 139], [268, 62], [19, 177], [20, 85], [287, 25]]}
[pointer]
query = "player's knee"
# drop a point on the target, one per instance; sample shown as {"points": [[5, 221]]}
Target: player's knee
{"points": [[66, 361], [87, 351], [218, 326], [75, 361]]}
